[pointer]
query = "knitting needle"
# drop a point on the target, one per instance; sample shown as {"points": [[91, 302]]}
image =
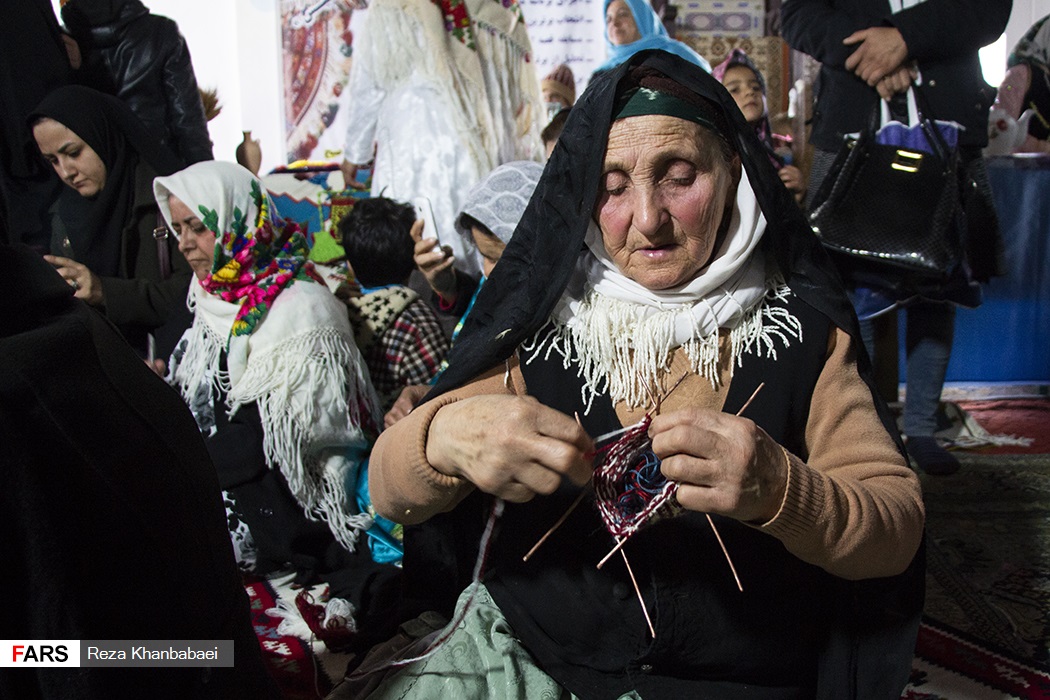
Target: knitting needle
{"points": [[561, 520], [614, 550], [638, 591], [586, 489], [752, 398], [714, 529], [725, 552]]}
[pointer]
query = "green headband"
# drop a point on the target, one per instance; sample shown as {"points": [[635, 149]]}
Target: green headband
{"points": [[644, 101]]}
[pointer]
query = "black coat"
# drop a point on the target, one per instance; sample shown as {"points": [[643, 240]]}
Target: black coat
{"points": [[143, 59], [113, 524], [943, 37]]}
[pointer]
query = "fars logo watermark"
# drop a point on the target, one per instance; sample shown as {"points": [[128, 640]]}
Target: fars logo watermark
{"points": [[88, 653], [23, 653]]}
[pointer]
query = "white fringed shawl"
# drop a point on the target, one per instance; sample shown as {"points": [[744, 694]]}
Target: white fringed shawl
{"points": [[624, 336], [303, 371]]}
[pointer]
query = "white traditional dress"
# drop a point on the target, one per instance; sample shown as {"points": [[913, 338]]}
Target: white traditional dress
{"points": [[441, 98]]}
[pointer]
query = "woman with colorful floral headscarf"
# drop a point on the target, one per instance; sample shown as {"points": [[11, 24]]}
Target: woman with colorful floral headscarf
{"points": [[270, 371]]}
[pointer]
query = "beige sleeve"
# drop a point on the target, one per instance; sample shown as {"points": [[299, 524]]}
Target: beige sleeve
{"points": [[402, 484], [853, 507]]}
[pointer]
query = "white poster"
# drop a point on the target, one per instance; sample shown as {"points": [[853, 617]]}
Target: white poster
{"points": [[566, 31]]}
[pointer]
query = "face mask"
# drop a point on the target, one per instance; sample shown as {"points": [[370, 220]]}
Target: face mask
{"points": [[553, 108]]}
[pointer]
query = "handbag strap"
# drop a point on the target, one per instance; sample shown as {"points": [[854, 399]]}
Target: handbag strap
{"points": [[929, 123], [160, 235], [919, 113], [914, 115]]}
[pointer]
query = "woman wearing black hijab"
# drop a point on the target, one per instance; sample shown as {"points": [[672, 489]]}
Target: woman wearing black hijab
{"points": [[102, 227], [661, 277]]}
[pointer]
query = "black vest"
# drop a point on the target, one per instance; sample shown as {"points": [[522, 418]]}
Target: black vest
{"points": [[586, 627]]}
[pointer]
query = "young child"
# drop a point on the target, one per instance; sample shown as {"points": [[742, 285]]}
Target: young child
{"points": [[744, 82], [396, 331]]}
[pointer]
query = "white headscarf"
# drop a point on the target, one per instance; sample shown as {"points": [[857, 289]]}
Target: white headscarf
{"points": [[499, 199]]}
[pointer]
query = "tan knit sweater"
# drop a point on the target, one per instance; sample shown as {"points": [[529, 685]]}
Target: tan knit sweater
{"points": [[852, 505]]}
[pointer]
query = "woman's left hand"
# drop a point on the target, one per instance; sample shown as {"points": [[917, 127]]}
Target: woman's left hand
{"points": [[86, 284], [723, 464]]}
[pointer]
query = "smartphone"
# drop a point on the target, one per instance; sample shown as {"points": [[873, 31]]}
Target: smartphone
{"points": [[425, 212]]}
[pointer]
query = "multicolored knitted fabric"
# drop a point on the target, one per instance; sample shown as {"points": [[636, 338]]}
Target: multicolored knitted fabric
{"points": [[630, 490]]}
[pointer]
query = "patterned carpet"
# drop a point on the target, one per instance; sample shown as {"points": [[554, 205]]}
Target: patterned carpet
{"points": [[988, 580]]}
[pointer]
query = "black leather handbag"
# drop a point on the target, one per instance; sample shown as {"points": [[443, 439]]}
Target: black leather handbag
{"points": [[889, 214]]}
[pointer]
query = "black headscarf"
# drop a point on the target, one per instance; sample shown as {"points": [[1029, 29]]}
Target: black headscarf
{"points": [[537, 263], [94, 224]]}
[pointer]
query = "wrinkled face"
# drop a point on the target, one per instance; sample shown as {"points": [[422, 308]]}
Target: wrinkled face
{"points": [[75, 162], [743, 85], [196, 242], [666, 192], [620, 25], [490, 247]]}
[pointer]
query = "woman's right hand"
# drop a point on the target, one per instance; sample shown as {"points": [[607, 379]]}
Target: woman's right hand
{"points": [[435, 262], [896, 82], [513, 447], [86, 284]]}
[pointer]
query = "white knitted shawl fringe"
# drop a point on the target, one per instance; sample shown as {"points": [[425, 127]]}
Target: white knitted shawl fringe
{"points": [[621, 351], [310, 361]]}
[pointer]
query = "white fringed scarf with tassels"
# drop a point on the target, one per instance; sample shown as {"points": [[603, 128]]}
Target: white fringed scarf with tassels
{"points": [[302, 370], [624, 335]]}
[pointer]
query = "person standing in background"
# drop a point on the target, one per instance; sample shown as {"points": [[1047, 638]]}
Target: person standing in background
{"points": [[143, 59], [872, 49], [745, 83], [439, 94], [32, 64], [632, 26]]}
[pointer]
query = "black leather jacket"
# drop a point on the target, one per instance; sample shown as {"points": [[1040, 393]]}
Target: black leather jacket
{"points": [[142, 59]]}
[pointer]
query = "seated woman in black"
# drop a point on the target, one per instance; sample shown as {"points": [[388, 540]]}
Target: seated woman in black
{"points": [[102, 225]]}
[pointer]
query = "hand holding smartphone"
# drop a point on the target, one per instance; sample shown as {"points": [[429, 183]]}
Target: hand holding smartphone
{"points": [[425, 212]]}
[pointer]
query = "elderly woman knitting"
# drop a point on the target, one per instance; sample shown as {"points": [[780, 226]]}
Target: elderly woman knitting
{"points": [[728, 543], [270, 371]]}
